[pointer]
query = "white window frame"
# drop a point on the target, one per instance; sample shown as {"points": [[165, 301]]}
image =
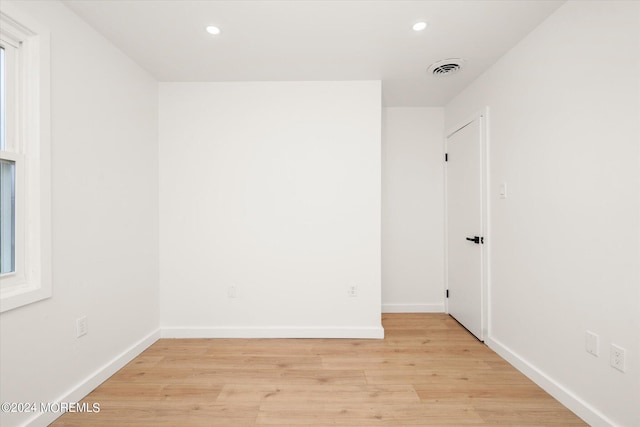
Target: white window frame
{"points": [[28, 145]]}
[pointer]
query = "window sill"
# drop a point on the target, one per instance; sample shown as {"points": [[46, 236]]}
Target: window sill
{"points": [[17, 296]]}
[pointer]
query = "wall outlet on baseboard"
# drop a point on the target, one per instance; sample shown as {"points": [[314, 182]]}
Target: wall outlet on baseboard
{"points": [[617, 357], [82, 327], [591, 343]]}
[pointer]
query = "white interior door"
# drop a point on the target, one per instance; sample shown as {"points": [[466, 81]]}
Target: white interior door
{"points": [[464, 226]]}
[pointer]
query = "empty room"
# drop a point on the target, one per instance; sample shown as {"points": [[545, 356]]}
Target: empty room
{"points": [[319, 213]]}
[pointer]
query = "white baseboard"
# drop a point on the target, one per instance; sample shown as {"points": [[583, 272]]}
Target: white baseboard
{"points": [[413, 308], [94, 380], [589, 414], [272, 332]]}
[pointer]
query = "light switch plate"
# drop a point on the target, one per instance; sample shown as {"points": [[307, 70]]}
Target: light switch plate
{"points": [[503, 190]]}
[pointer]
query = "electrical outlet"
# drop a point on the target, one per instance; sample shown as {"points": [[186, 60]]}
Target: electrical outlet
{"points": [[352, 291], [232, 292], [591, 343], [617, 357], [82, 326]]}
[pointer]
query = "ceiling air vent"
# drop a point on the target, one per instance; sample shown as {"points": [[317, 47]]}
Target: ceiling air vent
{"points": [[446, 67]]}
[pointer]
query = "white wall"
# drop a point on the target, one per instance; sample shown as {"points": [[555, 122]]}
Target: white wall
{"points": [[104, 191], [412, 210], [273, 188], [564, 136]]}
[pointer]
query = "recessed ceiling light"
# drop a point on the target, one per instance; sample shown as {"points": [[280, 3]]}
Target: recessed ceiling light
{"points": [[213, 30], [419, 26]]}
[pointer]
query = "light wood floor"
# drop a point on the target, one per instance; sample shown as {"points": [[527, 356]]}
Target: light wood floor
{"points": [[428, 371]]}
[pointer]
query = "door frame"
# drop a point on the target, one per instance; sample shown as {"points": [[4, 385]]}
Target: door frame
{"points": [[485, 249]]}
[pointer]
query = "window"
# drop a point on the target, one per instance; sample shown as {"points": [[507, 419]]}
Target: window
{"points": [[7, 215], [8, 160], [25, 230]]}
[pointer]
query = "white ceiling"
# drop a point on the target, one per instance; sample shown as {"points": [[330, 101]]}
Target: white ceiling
{"points": [[317, 40]]}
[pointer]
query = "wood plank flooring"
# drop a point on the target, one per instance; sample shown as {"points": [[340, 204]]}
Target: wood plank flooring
{"points": [[428, 371]]}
